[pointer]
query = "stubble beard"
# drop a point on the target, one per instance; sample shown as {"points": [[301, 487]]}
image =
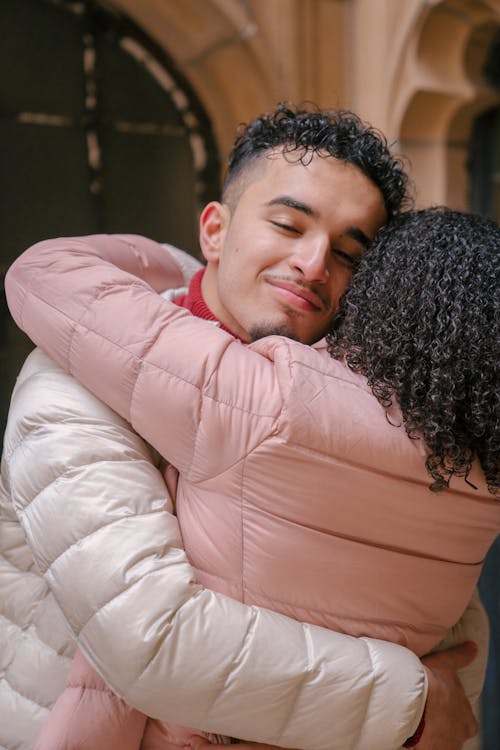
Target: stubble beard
{"points": [[261, 330]]}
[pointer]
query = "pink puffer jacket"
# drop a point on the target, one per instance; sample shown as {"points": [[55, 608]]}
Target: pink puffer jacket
{"points": [[295, 493]]}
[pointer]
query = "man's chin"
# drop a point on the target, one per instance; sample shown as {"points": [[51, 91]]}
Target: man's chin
{"points": [[261, 330]]}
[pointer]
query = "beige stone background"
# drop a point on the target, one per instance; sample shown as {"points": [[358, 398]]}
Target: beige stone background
{"points": [[410, 67]]}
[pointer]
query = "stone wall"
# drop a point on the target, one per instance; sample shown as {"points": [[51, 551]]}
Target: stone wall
{"points": [[411, 67]]}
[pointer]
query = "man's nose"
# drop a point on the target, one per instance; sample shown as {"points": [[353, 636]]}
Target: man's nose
{"points": [[311, 260]]}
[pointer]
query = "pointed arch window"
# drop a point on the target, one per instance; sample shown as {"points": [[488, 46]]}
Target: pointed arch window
{"points": [[100, 132]]}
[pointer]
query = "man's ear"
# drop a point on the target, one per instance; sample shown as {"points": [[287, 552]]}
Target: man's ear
{"points": [[214, 221]]}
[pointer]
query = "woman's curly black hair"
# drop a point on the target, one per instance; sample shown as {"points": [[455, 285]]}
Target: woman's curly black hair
{"points": [[337, 133], [421, 322]]}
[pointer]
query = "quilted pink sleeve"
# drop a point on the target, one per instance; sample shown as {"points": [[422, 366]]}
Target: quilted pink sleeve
{"points": [[88, 715], [91, 304]]}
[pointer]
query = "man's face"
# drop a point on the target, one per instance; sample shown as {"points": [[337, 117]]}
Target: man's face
{"points": [[280, 260]]}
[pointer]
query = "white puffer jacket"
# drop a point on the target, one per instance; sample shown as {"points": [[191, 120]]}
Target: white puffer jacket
{"points": [[115, 562], [36, 644]]}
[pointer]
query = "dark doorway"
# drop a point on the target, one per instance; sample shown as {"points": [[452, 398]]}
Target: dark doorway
{"points": [[100, 133], [485, 199]]}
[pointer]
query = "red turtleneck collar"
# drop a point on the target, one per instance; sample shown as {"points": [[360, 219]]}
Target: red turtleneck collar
{"points": [[194, 302]]}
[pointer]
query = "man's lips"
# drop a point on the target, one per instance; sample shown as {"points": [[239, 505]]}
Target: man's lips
{"points": [[297, 295]]}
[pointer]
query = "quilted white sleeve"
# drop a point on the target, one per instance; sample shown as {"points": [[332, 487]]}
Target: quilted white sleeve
{"points": [[96, 514]]}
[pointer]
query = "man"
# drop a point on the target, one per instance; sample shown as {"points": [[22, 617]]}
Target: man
{"points": [[296, 215]]}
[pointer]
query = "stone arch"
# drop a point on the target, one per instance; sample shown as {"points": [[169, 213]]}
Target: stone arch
{"points": [[215, 45], [439, 91]]}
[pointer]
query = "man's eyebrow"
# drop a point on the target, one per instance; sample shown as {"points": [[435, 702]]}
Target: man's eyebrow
{"points": [[357, 234], [286, 200]]}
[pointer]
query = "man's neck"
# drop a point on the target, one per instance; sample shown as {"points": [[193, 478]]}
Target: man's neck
{"points": [[194, 301]]}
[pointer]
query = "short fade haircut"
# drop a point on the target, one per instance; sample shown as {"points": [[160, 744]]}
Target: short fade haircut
{"points": [[302, 133]]}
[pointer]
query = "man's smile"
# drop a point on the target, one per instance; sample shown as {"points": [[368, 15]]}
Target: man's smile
{"points": [[298, 295]]}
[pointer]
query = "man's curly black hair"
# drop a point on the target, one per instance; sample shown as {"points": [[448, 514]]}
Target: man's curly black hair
{"points": [[421, 322], [301, 133]]}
